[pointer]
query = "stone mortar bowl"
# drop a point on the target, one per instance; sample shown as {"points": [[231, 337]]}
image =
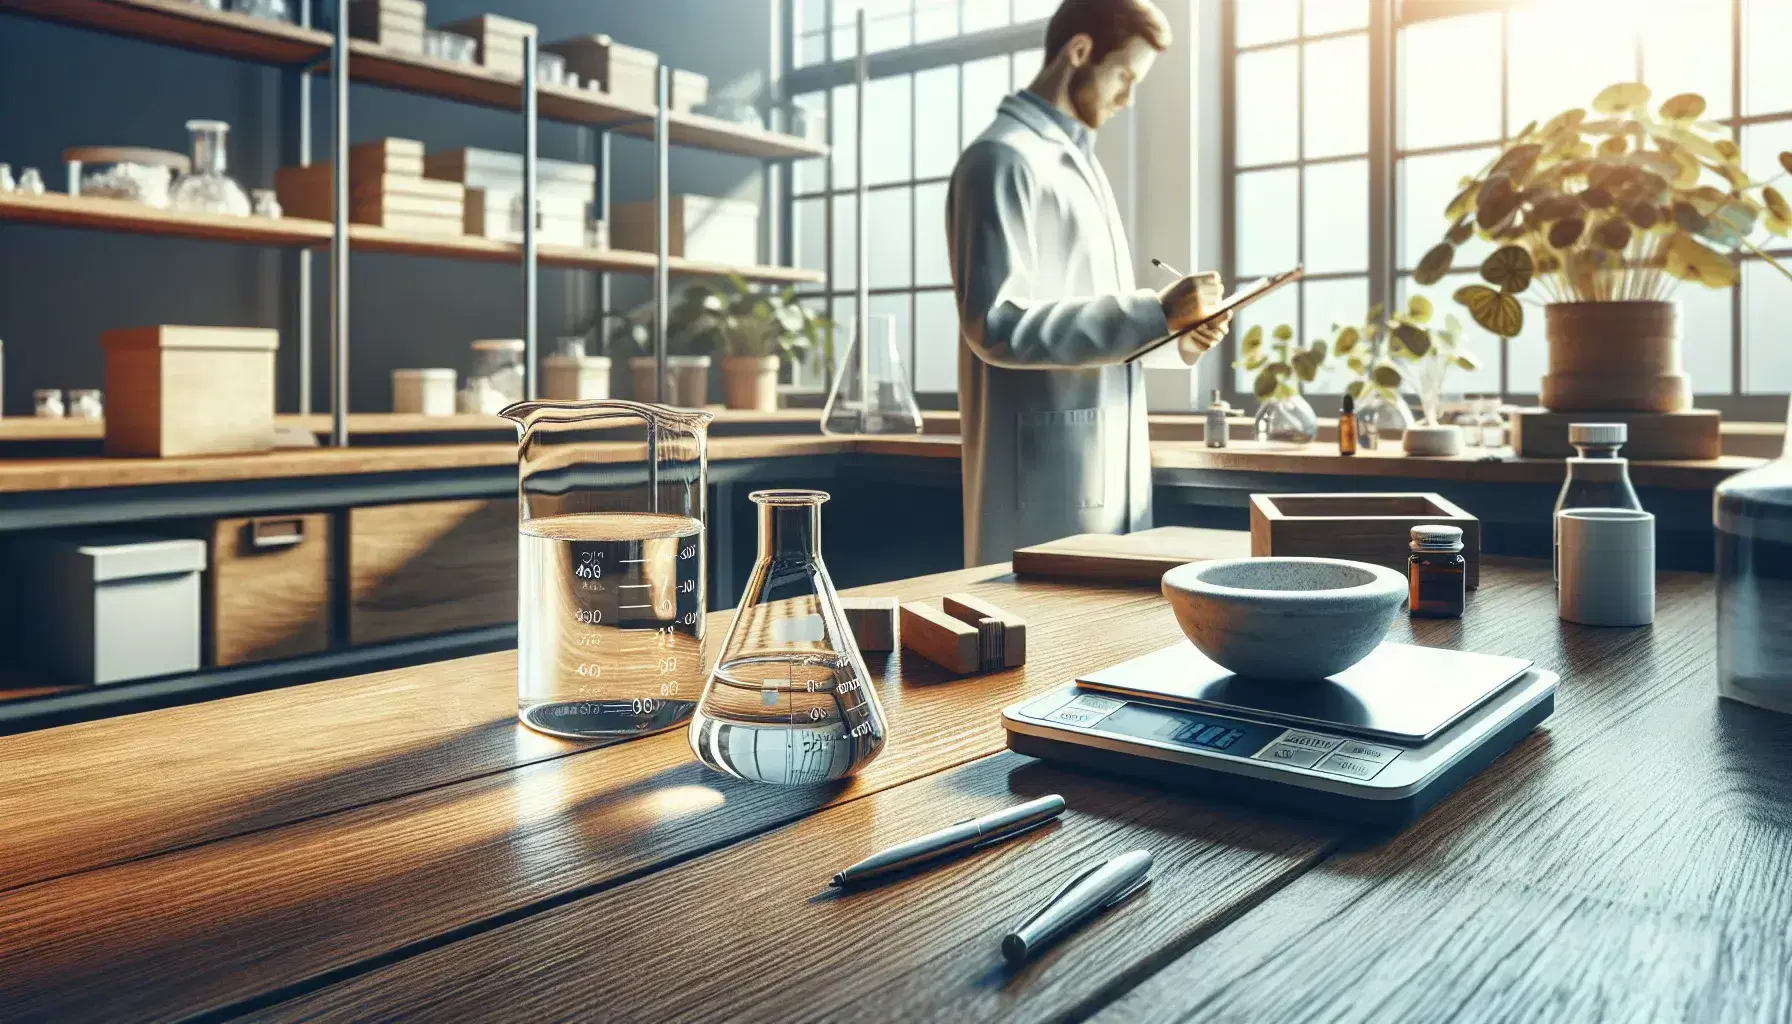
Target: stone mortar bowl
{"points": [[1285, 618]]}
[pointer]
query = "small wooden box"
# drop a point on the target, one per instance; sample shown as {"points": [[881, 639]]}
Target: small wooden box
{"points": [[705, 228], [1690, 434], [1369, 527], [500, 40], [268, 592], [430, 567], [396, 24], [688, 90], [625, 72], [872, 621], [189, 390]]}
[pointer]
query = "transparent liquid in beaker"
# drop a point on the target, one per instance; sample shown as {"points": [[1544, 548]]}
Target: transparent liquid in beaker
{"points": [[786, 718], [610, 624]]}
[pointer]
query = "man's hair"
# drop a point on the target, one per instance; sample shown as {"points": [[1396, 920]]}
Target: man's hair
{"points": [[1110, 23]]}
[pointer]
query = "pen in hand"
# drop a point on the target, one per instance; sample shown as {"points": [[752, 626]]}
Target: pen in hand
{"points": [[1166, 268]]}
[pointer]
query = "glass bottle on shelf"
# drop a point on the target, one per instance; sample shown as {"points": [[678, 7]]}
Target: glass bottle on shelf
{"points": [[86, 404], [790, 700], [31, 182], [1493, 423], [1285, 419], [1597, 476], [267, 204], [7, 184], [1468, 420], [206, 188], [871, 392]]}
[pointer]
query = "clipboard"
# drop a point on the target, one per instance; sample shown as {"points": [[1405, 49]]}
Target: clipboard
{"points": [[1231, 303]]}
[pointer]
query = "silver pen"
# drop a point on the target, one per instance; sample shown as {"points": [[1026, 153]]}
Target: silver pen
{"points": [[965, 835], [1165, 267], [1093, 889]]}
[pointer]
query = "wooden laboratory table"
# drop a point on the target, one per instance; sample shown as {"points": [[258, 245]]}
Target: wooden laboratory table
{"points": [[395, 845]]}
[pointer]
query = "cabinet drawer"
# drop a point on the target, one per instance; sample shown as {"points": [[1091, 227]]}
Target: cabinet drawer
{"points": [[430, 567], [270, 588]]}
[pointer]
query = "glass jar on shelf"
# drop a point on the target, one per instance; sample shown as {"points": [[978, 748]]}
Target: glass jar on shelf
{"points": [[7, 182], [86, 404], [1468, 420], [1493, 423], [124, 172], [497, 373], [47, 403], [267, 204], [1286, 419], [206, 188], [273, 10]]}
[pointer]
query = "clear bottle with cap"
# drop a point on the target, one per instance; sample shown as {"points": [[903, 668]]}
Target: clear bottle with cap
{"points": [[1598, 477], [1215, 429], [1436, 572]]}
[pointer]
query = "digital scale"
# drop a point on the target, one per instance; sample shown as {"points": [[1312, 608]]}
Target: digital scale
{"points": [[1379, 742]]}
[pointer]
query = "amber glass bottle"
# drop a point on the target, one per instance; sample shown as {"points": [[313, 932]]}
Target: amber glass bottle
{"points": [[1347, 427], [1436, 573]]}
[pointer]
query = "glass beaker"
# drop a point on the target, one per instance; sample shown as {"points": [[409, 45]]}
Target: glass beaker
{"points": [[790, 700], [871, 392], [611, 588], [206, 188]]}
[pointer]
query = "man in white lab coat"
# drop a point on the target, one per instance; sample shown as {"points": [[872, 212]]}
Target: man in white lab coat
{"points": [[1053, 417]]}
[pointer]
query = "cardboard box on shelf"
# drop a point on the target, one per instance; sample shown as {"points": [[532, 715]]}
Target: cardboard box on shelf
{"points": [[698, 227], [689, 90], [625, 72], [498, 214], [394, 24], [189, 390], [500, 40], [498, 170]]}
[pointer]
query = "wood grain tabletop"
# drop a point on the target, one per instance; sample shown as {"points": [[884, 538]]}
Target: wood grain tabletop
{"points": [[394, 846]]}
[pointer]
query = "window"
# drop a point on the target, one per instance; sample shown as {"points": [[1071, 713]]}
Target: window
{"points": [[1301, 156], [1464, 76], [943, 66]]}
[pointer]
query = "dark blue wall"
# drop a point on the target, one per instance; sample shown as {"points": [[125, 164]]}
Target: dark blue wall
{"points": [[59, 288]]}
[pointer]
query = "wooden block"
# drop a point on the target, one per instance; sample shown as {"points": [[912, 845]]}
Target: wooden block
{"points": [[269, 588], [1141, 557], [386, 147], [1369, 527], [1007, 648], [941, 639], [189, 390], [1691, 434], [872, 620]]}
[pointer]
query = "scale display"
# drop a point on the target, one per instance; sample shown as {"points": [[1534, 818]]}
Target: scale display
{"points": [[1224, 735]]}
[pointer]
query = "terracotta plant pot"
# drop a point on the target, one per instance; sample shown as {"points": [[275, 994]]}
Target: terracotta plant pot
{"points": [[750, 382], [1615, 356], [687, 380]]}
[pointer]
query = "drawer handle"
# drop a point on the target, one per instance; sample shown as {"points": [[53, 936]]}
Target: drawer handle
{"points": [[276, 533]]}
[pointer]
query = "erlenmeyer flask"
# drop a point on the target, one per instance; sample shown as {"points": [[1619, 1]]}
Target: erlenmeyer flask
{"points": [[790, 700], [871, 393]]}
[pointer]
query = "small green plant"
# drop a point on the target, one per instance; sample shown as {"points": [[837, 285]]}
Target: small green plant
{"points": [[1614, 205], [755, 323], [1383, 354], [1282, 365]]}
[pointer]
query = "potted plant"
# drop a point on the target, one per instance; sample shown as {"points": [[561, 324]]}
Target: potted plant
{"points": [[1284, 416], [1605, 214], [689, 340], [1373, 354], [757, 332], [1430, 353]]}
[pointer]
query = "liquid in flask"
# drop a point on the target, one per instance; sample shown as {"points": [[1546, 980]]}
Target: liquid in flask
{"points": [[610, 623], [790, 700]]}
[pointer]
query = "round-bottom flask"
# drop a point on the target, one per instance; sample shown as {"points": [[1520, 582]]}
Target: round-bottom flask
{"points": [[790, 700]]}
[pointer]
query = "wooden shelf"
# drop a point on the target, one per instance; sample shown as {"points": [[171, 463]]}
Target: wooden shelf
{"points": [[186, 24], [55, 208], [136, 218]]}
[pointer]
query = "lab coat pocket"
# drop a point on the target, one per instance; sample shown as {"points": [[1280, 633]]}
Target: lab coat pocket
{"points": [[1060, 461]]}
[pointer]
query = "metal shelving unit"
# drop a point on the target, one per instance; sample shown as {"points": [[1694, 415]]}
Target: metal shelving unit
{"points": [[307, 51]]}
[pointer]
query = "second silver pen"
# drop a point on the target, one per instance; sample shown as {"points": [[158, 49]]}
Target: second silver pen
{"points": [[964, 835]]}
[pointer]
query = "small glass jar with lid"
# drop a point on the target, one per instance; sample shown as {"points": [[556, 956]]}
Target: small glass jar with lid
{"points": [[498, 368], [1436, 572], [47, 403], [207, 188], [86, 404]]}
